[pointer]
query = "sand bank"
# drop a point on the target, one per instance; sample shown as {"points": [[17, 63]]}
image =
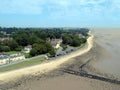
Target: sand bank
{"points": [[67, 82], [107, 57], [45, 67]]}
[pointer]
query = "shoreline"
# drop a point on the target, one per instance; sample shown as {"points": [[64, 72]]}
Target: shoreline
{"points": [[44, 67]]}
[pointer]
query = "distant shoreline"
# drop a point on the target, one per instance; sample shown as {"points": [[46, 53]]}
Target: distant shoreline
{"points": [[45, 67]]}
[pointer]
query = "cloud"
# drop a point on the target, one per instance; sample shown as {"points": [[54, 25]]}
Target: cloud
{"points": [[20, 6], [59, 8], [62, 12]]}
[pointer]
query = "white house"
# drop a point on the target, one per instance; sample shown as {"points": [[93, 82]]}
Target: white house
{"points": [[27, 49], [81, 36], [6, 38], [4, 59], [16, 57], [56, 43]]}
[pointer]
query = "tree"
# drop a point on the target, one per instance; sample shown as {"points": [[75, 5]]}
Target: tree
{"points": [[19, 48], [33, 52], [13, 45], [50, 49], [83, 40], [6, 48], [1, 35], [41, 48], [67, 39], [1, 48], [33, 39], [22, 39], [48, 46], [76, 42], [52, 52], [41, 35]]}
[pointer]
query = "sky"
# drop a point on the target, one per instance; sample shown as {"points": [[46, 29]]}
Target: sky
{"points": [[60, 13]]}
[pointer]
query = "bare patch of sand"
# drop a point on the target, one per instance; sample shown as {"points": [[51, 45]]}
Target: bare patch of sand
{"points": [[67, 82]]}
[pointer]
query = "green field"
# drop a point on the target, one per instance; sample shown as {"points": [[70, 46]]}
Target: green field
{"points": [[15, 52], [22, 65], [12, 52]]}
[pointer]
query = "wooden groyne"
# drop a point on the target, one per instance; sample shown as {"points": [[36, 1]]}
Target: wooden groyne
{"points": [[84, 74]]}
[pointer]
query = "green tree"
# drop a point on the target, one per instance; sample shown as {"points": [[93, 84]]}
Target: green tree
{"points": [[33, 52], [76, 42], [83, 40], [6, 48], [52, 52], [42, 49], [19, 48], [48, 46], [41, 34], [67, 39], [22, 39], [13, 45], [1, 48], [33, 39], [50, 49]]}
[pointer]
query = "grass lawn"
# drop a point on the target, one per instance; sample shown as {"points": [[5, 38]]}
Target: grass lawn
{"points": [[27, 55], [21, 65], [12, 52]]}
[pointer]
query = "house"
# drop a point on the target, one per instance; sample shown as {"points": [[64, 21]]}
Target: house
{"points": [[3, 32], [27, 49], [16, 57], [4, 59], [2, 53], [81, 36], [6, 38], [56, 43]]}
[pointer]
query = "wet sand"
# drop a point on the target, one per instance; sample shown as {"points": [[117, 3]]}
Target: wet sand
{"points": [[109, 41], [57, 79], [67, 82]]}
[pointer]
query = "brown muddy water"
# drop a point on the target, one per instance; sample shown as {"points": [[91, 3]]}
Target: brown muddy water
{"points": [[109, 41]]}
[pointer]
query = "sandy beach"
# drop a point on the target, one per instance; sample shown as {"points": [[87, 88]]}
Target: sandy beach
{"points": [[50, 75], [107, 60], [45, 67]]}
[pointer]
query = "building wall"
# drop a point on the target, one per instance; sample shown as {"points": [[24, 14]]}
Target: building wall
{"points": [[13, 59], [4, 61], [57, 46], [26, 50]]}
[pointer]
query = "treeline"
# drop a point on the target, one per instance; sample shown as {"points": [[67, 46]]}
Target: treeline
{"points": [[6, 46], [38, 38], [55, 31], [73, 40]]}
